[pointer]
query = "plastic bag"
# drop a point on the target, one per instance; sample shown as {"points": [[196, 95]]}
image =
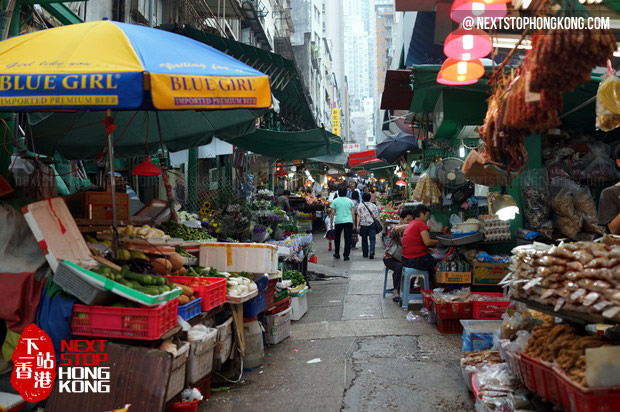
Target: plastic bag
{"points": [[602, 166], [608, 103], [535, 195]]}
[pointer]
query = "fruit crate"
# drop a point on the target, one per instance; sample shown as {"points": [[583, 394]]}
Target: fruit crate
{"points": [[258, 304], [183, 407], [462, 310], [281, 295], [540, 378], [489, 310], [449, 326], [81, 287], [270, 300], [204, 386], [280, 306], [427, 299], [213, 294], [124, 323], [574, 398], [190, 310]]}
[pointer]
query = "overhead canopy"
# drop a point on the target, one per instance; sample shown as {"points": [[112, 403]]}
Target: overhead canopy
{"points": [[337, 159], [397, 93], [290, 145], [367, 157], [286, 83], [423, 49], [81, 135]]}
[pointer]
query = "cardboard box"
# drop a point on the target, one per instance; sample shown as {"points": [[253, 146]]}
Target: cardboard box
{"points": [[489, 273], [97, 205], [453, 277]]}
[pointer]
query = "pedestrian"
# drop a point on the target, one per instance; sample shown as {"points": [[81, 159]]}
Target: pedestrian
{"points": [[283, 201], [417, 241], [342, 220], [365, 223], [330, 233], [393, 255], [373, 196]]}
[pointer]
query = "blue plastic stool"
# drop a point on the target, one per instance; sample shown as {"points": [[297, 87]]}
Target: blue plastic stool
{"points": [[385, 289], [405, 285]]}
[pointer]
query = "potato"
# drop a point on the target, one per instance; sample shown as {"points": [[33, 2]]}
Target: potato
{"points": [[183, 300]]}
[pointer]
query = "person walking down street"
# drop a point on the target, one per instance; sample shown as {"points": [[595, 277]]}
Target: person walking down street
{"points": [[330, 233], [373, 196], [342, 220], [417, 241], [393, 262], [366, 212], [283, 203]]}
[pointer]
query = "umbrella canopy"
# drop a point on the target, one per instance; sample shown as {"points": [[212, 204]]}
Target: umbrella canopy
{"points": [[393, 147], [110, 65]]}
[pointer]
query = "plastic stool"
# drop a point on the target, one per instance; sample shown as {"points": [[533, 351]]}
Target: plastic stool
{"points": [[385, 289], [405, 285]]}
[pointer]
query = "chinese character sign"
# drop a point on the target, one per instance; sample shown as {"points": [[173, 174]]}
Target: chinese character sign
{"points": [[351, 147], [35, 365], [336, 121]]}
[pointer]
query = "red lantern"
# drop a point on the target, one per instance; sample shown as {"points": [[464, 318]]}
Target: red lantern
{"points": [[465, 9], [467, 45], [461, 72], [146, 168], [401, 182]]}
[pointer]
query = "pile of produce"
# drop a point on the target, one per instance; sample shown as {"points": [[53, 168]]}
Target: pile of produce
{"points": [[480, 356], [188, 293], [581, 277], [177, 230], [562, 345], [239, 285], [296, 278], [145, 232], [148, 284], [463, 295]]}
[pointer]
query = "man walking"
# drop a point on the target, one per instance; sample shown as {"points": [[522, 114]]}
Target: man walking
{"points": [[342, 220]]}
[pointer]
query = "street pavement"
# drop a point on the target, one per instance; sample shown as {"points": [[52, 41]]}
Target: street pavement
{"points": [[371, 357]]}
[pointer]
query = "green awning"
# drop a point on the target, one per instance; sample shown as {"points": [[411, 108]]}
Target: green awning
{"points": [[286, 83], [290, 145], [337, 159]]}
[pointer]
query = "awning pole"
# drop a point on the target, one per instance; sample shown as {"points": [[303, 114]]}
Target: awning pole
{"points": [[113, 193]]}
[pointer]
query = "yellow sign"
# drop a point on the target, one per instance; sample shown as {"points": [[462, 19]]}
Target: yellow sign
{"points": [[336, 121]]}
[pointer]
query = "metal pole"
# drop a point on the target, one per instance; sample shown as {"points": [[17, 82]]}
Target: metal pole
{"points": [[151, 7], [113, 193]]}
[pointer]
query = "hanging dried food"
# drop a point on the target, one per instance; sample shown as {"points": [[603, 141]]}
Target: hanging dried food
{"points": [[608, 103]]}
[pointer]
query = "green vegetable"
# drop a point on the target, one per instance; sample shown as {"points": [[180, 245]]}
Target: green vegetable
{"points": [[296, 278], [124, 282], [183, 252], [177, 230], [149, 290], [143, 279]]}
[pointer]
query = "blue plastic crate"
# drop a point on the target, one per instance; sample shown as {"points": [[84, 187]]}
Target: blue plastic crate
{"points": [[262, 282], [479, 334], [190, 310], [255, 305]]}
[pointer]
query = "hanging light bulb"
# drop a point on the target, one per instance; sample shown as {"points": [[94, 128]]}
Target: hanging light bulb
{"points": [[462, 149], [462, 9], [460, 72], [442, 80], [467, 45]]}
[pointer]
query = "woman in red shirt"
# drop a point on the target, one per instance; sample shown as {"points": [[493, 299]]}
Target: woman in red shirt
{"points": [[416, 243]]}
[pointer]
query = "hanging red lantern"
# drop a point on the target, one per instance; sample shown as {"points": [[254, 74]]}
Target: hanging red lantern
{"points": [[465, 9], [461, 72], [446, 82], [401, 182], [467, 45]]}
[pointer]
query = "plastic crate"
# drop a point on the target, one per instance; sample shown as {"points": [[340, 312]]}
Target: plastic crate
{"points": [[256, 305], [280, 306], [183, 407], [575, 398], [449, 326], [204, 386], [277, 327], [213, 295], [452, 310], [81, 287], [478, 334], [540, 378], [124, 323], [190, 310], [281, 295], [270, 298], [489, 310], [427, 299]]}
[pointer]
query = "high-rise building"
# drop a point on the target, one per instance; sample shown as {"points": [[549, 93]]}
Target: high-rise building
{"points": [[385, 25]]}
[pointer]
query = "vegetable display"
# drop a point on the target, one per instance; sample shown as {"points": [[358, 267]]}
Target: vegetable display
{"points": [[146, 232], [297, 278], [180, 231], [148, 284]]}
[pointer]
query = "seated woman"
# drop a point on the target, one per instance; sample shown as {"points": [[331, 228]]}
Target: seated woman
{"points": [[417, 241], [390, 262]]}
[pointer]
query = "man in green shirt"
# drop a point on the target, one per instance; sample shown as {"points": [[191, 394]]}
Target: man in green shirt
{"points": [[342, 219]]}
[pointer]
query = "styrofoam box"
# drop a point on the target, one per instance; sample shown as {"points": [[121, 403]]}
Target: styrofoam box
{"points": [[278, 327], [240, 257], [299, 305], [224, 342], [200, 361]]}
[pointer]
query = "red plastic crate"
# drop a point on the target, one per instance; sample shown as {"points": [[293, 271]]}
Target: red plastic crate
{"points": [[540, 378], [213, 295], [452, 310], [427, 299], [183, 407], [449, 326], [575, 398], [204, 386], [271, 293], [124, 323], [281, 306], [489, 310]]}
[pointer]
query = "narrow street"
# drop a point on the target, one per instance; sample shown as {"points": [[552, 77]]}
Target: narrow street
{"points": [[371, 357]]}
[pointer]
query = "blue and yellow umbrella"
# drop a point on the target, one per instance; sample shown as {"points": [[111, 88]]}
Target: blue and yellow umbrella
{"points": [[110, 65]]}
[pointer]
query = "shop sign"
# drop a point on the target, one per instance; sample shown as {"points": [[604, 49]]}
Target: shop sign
{"points": [[351, 147], [336, 121]]}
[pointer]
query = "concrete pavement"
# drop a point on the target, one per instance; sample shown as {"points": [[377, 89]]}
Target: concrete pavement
{"points": [[371, 357]]}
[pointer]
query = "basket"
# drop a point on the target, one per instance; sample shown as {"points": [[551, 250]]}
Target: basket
{"points": [[80, 287], [489, 310], [280, 306], [190, 310], [124, 323], [200, 361], [449, 326], [575, 398], [183, 407], [461, 310], [540, 378], [427, 299], [213, 294], [176, 383]]}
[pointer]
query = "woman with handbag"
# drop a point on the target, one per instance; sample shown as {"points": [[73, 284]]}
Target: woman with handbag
{"points": [[367, 214], [393, 251]]}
